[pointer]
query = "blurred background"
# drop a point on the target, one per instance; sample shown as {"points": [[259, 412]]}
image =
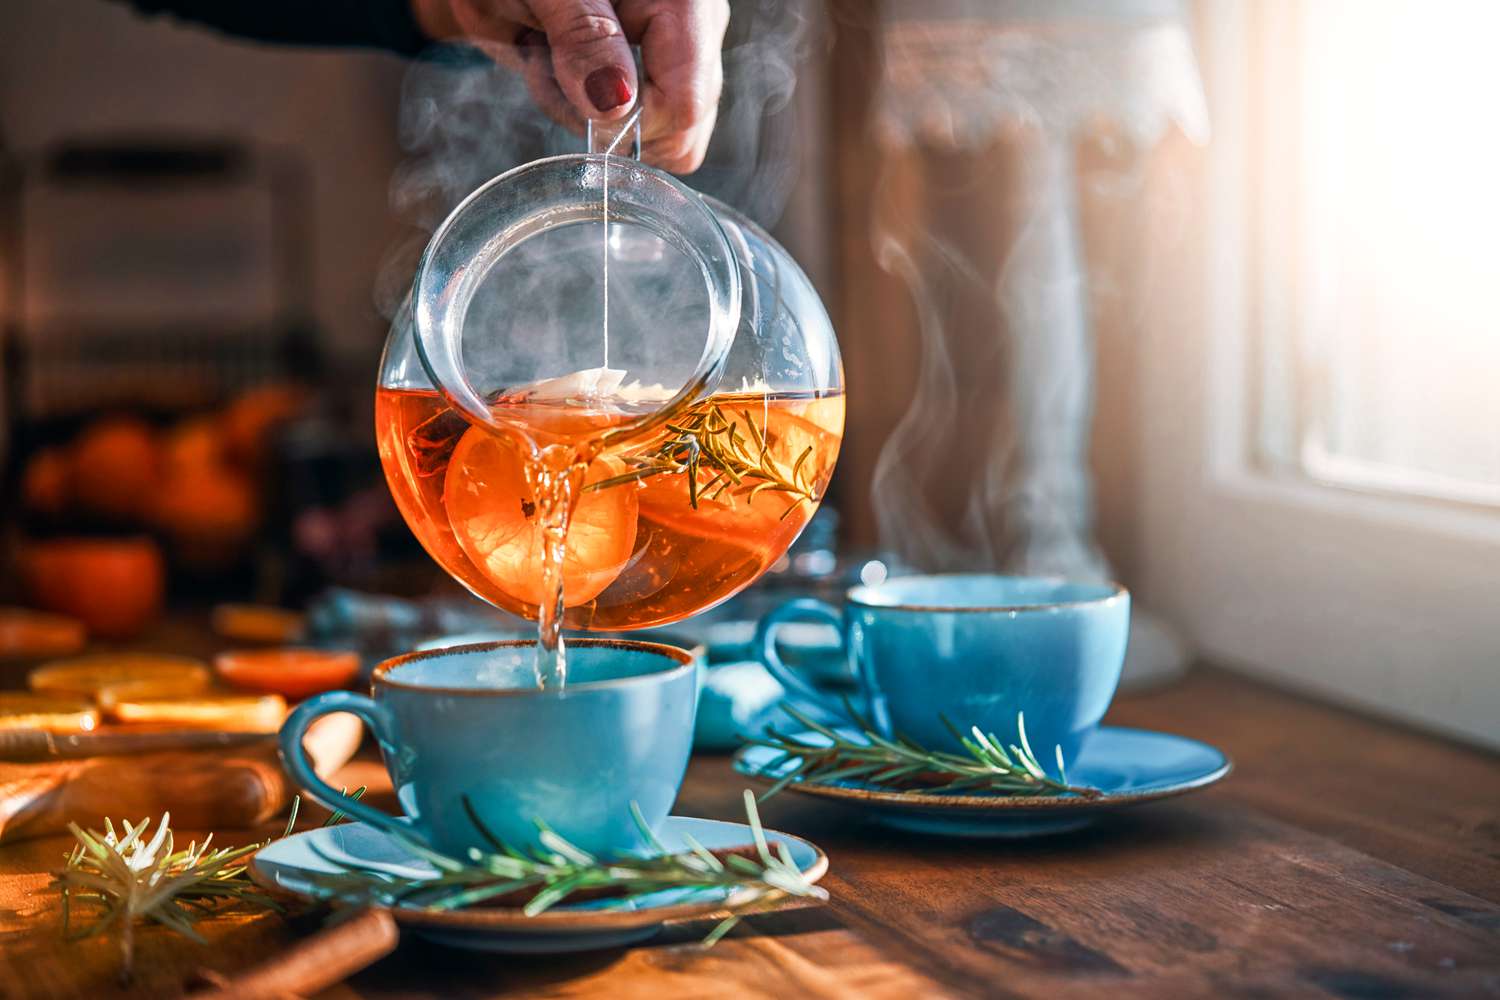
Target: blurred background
{"points": [[1198, 296]]}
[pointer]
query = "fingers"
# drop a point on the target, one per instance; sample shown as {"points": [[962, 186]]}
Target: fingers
{"points": [[535, 67], [590, 56], [680, 49], [495, 27], [508, 32], [594, 71]]}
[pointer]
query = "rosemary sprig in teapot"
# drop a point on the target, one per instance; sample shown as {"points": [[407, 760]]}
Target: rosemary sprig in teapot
{"points": [[740, 463]]}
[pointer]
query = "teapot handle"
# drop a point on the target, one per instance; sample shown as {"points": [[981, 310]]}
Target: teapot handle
{"points": [[609, 138]]}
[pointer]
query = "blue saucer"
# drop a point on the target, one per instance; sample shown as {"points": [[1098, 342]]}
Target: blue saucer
{"points": [[291, 864], [1129, 766]]}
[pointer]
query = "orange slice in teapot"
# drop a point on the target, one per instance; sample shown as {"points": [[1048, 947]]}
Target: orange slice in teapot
{"points": [[496, 521]]}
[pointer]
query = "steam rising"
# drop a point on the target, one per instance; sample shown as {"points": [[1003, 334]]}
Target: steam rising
{"points": [[464, 119], [988, 470]]}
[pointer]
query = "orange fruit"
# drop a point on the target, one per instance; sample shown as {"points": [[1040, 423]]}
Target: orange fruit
{"points": [[495, 520], [22, 710], [114, 586], [248, 713], [194, 443], [108, 676], [249, 421], [115, 467], [207, 503], [210, 512], [295, 673], [31, 633], [46, 485]]}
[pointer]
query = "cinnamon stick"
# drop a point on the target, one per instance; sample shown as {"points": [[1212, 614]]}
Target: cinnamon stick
{"points": [[315, 963]]}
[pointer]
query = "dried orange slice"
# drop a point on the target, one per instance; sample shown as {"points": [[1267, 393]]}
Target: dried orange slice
{"points": [[112, 676], [23, 710], [495, 520], [145, 688], [258, 623], [248, 713], [296, 673], [32, 633]]}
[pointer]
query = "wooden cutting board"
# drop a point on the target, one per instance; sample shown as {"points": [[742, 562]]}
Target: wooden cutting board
{"points": [[205, 789]]}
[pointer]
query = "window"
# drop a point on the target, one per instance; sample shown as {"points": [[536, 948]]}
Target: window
{"points": [[1320, 383], [1382, 172]]}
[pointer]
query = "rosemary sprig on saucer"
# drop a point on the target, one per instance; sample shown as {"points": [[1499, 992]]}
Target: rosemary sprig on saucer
{"points": [[900, 765], [138, 875], [740, 462], [560, 871]]}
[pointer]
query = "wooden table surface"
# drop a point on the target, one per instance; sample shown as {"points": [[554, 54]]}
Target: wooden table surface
{"points": [[1344, 858]]}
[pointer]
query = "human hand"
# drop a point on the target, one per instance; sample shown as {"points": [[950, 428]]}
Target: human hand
{"points": [[576, 60]]}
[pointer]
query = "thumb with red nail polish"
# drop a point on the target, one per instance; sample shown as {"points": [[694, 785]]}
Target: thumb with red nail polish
{"points": [[590, 55], [608, 88]]}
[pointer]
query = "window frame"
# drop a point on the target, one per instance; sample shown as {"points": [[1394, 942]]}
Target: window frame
{"points": [[1380, 601]]}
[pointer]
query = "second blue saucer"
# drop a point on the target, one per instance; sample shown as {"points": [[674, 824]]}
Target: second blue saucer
{"points": [[1129, 766]]}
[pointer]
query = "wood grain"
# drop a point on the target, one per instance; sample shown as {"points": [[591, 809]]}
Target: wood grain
{"points": [[1410, 799], [1345, 858]]}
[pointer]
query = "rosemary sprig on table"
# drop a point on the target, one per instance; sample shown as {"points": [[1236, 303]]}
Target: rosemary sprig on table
{"points": [[540, 879], [138, 875], [740, 462], [135, 878], [900, 764]]}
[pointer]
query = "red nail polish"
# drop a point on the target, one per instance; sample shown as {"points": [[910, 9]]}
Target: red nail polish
{"points": [[607, 88]]}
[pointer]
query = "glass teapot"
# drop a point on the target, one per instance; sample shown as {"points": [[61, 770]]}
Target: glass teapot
{"points": [[676, 355]]}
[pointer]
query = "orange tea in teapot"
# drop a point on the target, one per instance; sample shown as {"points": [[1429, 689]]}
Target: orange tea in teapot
{"points": [[662, 525], [522, 462]]}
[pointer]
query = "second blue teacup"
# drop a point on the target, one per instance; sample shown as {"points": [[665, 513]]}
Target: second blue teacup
{"points": [[975, 649], [465, 730]]}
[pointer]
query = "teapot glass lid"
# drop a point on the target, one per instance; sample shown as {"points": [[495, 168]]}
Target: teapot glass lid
{"points": [[512, 302]]}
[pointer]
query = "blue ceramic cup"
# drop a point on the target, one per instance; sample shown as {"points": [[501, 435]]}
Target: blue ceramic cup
{"points": [[468, 722], [977, 650]]}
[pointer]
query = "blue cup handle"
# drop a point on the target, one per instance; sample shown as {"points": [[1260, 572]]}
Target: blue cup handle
{"points": [[294, 758], [801, 609]]}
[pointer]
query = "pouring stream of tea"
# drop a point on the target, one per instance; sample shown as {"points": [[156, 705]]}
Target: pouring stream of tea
{"points": [[556, 474]]}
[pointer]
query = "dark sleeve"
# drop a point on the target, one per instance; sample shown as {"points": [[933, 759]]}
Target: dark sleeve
{"points": [[374, 24]]}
